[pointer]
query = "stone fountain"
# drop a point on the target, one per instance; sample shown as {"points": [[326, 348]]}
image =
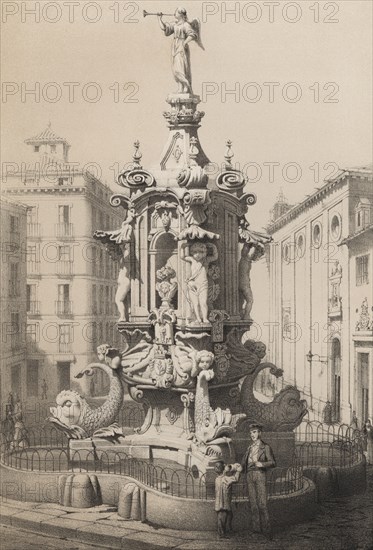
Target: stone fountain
{"points": [[185, 251]]}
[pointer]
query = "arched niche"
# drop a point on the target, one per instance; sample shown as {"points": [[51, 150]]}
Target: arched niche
{"points": [[163, 252]]}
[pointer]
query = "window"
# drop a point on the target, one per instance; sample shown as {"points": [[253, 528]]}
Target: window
{"points": [[300, 246], [32, 336], [335, 227], [107, 300], [63, 213], [32, 214], [14, 288], [32, 253], [63, 301], [14, 224], [32, 377], [64, 338], [36, 148], [53, 148], [102, 299], [93, 218], [94, 299], [362, 275], [15, 328], [94, 262], [64, 181], [64, 253], [31, 303], [316, 235]]}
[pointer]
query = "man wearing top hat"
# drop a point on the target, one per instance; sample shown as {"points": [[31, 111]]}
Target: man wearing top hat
{"points": [[257, 459]]}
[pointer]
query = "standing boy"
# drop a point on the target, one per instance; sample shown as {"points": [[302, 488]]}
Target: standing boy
{"points": [[255, 463], [227, 475]]}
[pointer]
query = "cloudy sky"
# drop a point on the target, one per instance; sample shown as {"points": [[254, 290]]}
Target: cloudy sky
{"points": [[316, 113]]}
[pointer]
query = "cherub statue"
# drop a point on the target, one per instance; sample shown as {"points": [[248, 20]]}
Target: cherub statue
{"points": [[199, 258], [184, 31], [124, 282], [244, 283]]}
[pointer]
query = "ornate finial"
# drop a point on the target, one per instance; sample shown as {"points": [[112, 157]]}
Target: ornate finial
{"points": [[228, 154], [137, 155], [49, 124], [193, 150]]}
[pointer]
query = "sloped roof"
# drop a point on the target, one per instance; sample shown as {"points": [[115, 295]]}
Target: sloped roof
{"points": [[46, 136]]}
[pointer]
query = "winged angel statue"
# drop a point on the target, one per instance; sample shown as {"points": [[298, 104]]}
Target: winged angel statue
{"points": [[184, 31]]}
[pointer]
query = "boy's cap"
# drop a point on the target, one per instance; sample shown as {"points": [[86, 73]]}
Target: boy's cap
{"points": [[255, 426]]}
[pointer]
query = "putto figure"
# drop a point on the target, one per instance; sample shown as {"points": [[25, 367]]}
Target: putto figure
{"points": [[199, 258], [124, 283], [184, 32]]}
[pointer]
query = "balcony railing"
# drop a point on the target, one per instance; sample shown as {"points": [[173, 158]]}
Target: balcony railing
{"points": [[64, 229], [32, 346], [64, 267], [64, 347], [33, 307], [33, 229], [64, 307], [33, 268]]}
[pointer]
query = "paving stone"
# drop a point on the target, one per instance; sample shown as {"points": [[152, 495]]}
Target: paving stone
{"points": [[6, 513], [214, 545], [28, 519], [107, 535], [140, 540], [62, 527], [81, 516], [18, 504], [51, 512]]}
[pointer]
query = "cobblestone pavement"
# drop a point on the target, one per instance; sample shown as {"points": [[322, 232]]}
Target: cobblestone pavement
{"points": [[341, 524]]}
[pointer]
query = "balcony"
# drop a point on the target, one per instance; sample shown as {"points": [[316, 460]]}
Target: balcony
{"points": [[33, 307], [64, 347], [33, 230], [32, 346], [64, 230], [64, 308], [64, 268], [33, 268]]}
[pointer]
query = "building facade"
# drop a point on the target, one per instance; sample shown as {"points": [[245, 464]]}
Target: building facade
{"points": [[71, 280], [15, 377], [320, 275]]}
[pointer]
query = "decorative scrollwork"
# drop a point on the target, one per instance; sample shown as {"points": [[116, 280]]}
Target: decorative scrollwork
{"points": [[248, 199], [120, 200], [230, 180], [136, 178]]}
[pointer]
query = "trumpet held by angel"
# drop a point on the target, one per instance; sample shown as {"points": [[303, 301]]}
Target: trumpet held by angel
{"points": [[184, 32]]}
